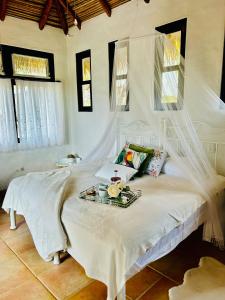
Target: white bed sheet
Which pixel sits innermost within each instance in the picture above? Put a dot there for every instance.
(170, 241)
(167, 203)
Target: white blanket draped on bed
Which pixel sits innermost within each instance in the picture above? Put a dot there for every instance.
(39, 198)
(108, 240)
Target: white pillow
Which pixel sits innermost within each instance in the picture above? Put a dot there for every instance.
(172, 168)
(107, 171)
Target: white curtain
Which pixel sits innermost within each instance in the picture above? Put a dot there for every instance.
(8, 137)
(40, 113)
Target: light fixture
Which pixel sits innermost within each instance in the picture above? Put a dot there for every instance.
(75, 19)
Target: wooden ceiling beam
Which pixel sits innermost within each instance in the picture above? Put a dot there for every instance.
(45, 14)
(68, 7)
(105, 5)
(62, 17)
(3, 9)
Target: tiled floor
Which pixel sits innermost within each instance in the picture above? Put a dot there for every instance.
(24, 276)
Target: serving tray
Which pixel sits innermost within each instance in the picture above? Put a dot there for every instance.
(91, 194)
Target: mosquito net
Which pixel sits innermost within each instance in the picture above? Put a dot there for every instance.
(150, 77)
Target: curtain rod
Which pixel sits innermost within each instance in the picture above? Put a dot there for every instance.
(154, 34)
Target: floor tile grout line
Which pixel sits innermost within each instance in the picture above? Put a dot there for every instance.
(72, 295)
(77, 292)
(151, 286)
(30, 271)
(164, 275)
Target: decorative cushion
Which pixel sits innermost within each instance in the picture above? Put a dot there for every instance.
(156, 163)
(150, 153)
(130, 158)
(107, 171)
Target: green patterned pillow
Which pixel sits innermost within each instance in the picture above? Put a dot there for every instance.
(130, 158)
(144, 166)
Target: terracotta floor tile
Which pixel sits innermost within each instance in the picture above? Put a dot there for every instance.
(24, 247)
(5, 253)
(12, 274)
(30, 290)
(4, 217)
(21, 242)
(140, 282)
(94, 291)
(186, 256)
(176, 264)
(6, 233)
(65, 279)
(159, 291)
(34, 262)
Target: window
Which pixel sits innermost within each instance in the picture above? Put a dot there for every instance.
(168, 65)
(121, 69)
(223, 76)
(84, 89)
(31, 102)
(32, 116)
(26, 64)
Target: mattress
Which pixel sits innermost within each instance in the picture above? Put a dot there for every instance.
(125, 240)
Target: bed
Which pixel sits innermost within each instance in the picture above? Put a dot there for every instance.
(169, 210)
(125, 240)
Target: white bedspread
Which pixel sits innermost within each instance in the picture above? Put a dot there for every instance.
(107, 240)
(39, 198)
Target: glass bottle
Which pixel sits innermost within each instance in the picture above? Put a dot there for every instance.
(115, 178)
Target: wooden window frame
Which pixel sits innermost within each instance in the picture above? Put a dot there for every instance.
(111, 54)
(7, 63)
(179, 25)
(7, 52)
(80, 82)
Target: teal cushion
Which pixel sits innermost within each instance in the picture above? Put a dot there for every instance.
(131, 158)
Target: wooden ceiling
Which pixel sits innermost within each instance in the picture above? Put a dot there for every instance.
(57, 13)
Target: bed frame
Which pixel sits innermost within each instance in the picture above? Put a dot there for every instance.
(140, 132)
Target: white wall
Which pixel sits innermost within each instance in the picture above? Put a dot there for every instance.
(204, 47)
(205, 33)
(26, 34)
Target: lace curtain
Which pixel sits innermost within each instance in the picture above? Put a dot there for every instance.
(39, 109)
(8, 137)
(40, 113)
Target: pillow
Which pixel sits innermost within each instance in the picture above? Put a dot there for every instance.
(156, 163)
(107, 171)
(150, 152)
(130, 158)
(172, 168)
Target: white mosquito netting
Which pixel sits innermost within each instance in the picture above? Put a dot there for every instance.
(150, 77)
(149, 73)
